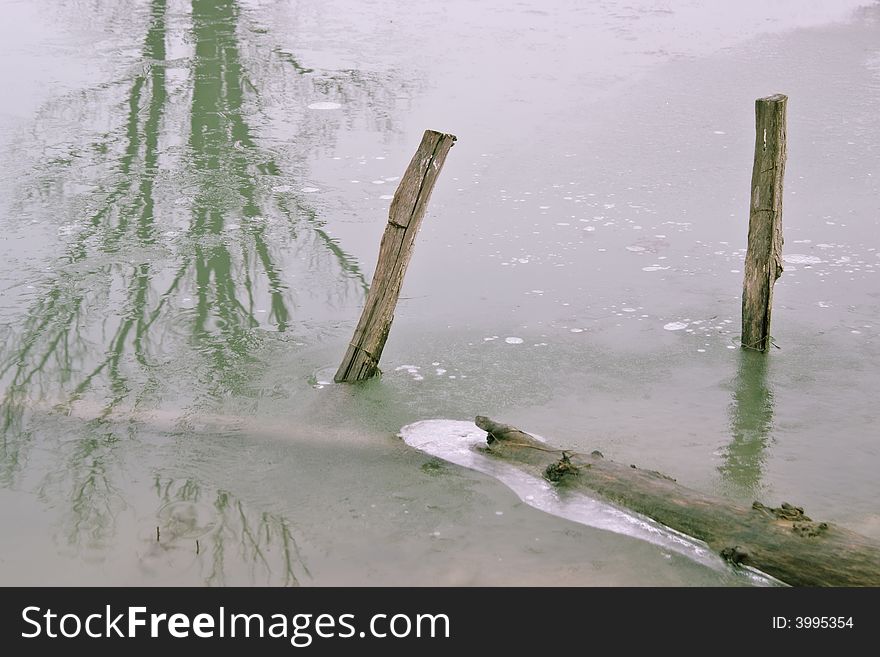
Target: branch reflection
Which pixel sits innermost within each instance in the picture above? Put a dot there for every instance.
(236, 544)
(181, 257)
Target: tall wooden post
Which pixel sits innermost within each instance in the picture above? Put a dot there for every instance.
(763, 263)
(404, 218)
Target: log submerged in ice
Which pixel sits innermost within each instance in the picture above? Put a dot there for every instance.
(782, 541)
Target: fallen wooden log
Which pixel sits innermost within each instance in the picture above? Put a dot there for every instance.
(782, 542)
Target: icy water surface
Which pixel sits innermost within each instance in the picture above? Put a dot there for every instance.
(191, 199)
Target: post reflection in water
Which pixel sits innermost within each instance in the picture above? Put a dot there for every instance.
(181, 259)
(751, 425)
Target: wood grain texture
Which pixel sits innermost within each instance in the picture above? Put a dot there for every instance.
(408, 207)
(763, 264)
(782, 542)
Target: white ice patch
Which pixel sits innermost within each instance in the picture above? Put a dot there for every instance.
(635, 249)
(459, 442)
(324, 106)
(513, 340)
(412, 370)
(309, 190)
(801, 259)
(69, 229)
(675, 326)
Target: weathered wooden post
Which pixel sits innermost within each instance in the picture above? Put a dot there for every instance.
(764, 252)
(404, 218)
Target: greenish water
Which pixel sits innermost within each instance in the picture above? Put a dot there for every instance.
(191, 199)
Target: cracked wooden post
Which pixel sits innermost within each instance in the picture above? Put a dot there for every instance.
(763, 263)
(404, 218)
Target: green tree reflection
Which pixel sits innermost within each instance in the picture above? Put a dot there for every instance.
(180, 262)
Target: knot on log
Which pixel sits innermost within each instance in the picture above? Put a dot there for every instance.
(778, 268)
(809, 529)
(784, 512)
(735, 555)
(555, 472)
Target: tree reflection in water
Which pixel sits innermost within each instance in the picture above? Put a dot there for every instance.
(170, 257)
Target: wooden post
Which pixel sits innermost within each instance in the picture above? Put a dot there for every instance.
(404, 218)
(764, 252)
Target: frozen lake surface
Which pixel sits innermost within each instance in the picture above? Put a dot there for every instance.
(192, 196)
